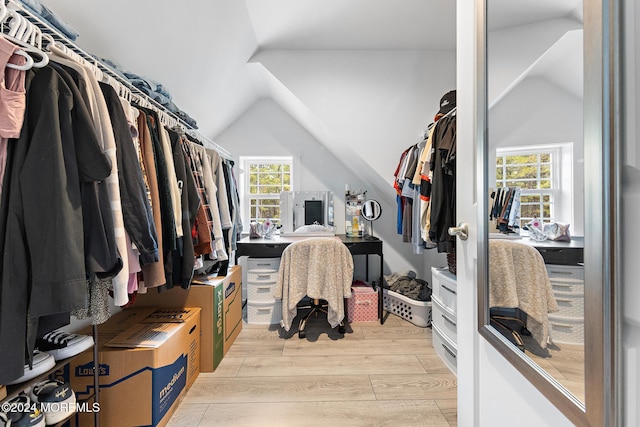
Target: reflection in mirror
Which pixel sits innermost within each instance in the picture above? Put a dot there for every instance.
(371, 211)
(535, 173)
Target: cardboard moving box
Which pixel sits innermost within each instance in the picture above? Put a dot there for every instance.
(145, 368)
(220, 299)
(232, 307)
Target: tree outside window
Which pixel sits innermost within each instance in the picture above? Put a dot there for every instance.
(263, 180)
(536, 173)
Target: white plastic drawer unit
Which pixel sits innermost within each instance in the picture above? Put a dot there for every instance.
(260, 292)
(262, 276)
(263, 264)
(264, 313)
(446, 349)
(566, 279)
(566, 330)
(565, 271)
(445, 288)
(570, 304)
(444, 320)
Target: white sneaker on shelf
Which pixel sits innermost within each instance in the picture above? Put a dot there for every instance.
(57, 400)
(23, 413)
(62, 345)
(42, 362)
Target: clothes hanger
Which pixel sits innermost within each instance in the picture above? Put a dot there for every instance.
(26, 35)
(126, 93)
(26, 66)
(34, 46)
(9, 18)
(3, 11)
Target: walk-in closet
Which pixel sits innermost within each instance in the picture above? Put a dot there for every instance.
(319, 212)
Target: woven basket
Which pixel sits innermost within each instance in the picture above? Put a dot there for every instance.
(451, 261)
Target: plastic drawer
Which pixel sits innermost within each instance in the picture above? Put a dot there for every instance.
(566, 330)
(447, 350)
(260, 292)
(264, 313)
(445, 288)
(445, 320)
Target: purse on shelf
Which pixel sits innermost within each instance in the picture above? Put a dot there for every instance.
(255, 230)
(557, 232)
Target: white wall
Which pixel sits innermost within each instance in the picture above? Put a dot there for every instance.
(537, 112)
(266, 129)
(375, 103)
(509, 62)
(365, 107)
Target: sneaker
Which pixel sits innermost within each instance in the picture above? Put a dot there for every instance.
(42, 363)
(23, 413)
(62, 345)
(57, 400)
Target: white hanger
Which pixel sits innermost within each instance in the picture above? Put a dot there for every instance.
(3, 11)
(10, 17)
(126, 93)
(28, 36)
(26, 66)
(34, 46)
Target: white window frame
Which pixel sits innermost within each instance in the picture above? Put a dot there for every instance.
(561, 178)
(244, 191)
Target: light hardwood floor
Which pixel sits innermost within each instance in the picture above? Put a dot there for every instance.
(566, 365)
(375, 375)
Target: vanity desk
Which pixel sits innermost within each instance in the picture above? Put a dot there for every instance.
(257, 249)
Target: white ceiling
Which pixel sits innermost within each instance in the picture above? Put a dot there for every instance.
(512, 13)
(354, 24)
(201, 50)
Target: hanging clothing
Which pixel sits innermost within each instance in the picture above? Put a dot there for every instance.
(184, 256)
(217, 170)
(234, 204)
(422, 177)
(218, 249)
(152, 273)
(107, 194)
(12, 99)
(43, 268)
(164, 183)
(136, 211)
(443, 189)
(203, 227)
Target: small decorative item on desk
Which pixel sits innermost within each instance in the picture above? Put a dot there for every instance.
(255, 230)
(265, 229)
(557, 232)
(535, 229)
(269, 229)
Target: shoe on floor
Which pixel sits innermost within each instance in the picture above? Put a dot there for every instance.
(42, 362)
(57, 399)
(62, 345)
(26, 414)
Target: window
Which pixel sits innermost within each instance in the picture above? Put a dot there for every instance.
(536, 171)
(263, 178)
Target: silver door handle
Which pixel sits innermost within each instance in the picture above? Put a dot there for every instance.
(462, 231)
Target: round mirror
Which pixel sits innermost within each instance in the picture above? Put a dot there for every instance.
(371, 210)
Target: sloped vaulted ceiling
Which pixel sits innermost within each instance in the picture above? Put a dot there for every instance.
(207, 53)
(201, 50)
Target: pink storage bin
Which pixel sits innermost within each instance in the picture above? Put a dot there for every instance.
(363, 305)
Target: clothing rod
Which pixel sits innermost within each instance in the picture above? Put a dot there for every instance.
(57, 36)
